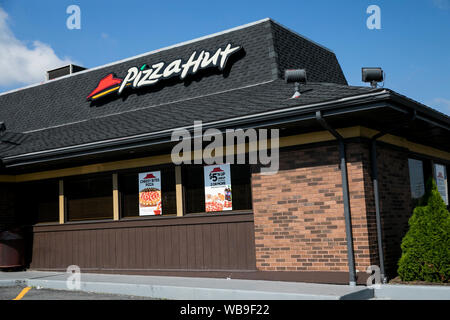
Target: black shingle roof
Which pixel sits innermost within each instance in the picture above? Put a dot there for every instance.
(273, 95)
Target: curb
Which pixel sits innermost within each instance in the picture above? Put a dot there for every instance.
(183, 292)
(405, 292)
(178, 293)
(9, 283)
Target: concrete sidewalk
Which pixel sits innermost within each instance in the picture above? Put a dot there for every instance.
(412, 292)
(186, 288)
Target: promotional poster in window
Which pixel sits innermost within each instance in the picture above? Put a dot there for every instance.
(441, 181)
(150, 193)
(218, 188)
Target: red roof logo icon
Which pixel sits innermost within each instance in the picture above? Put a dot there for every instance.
(104, 84)
(149, 176)
(216, 169)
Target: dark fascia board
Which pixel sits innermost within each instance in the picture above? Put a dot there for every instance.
(424, 112)
(374, 100)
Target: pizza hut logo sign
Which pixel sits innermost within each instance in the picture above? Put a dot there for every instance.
(149, 180)
(149, 176)
(217, 176)
(148, 75)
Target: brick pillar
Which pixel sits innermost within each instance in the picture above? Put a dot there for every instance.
(396, 204)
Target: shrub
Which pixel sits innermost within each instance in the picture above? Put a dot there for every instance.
(426, 246)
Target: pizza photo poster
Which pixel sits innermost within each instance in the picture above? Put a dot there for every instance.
(150, 193)
(217, 188)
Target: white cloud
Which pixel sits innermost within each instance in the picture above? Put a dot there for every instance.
(21, 64)
(441, 104)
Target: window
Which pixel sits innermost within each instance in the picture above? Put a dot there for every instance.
(38, 202)
(89, 198)
(194, 188)
(416, 178)
(240, 182)
(129, 191)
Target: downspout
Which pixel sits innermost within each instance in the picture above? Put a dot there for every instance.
(374, 165)
(346, 197)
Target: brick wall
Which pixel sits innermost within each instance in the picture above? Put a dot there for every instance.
(299, 212)
(362, 205)
(396, 206)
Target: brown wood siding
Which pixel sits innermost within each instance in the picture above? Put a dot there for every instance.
(201, 242)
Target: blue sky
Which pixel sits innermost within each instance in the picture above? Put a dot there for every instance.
(413, 45)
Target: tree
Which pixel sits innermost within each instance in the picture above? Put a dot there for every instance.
(426, 245)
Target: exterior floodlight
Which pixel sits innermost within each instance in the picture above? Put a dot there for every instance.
(372, 75)
(297, 76)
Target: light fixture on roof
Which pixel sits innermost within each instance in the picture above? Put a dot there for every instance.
(372, 75)
(297, 76)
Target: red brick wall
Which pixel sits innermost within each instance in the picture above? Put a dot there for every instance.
(362, 205)
(299, 213)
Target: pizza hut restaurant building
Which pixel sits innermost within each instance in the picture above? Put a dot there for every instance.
(76, 150)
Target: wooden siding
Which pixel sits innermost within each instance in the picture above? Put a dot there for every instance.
(222, 242)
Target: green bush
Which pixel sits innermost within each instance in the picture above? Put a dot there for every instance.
(426, 246)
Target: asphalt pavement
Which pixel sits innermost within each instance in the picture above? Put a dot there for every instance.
(11, 293)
